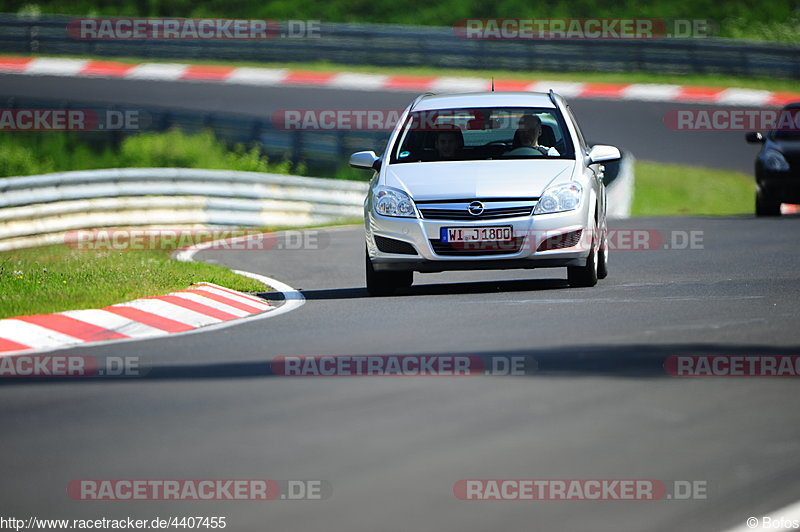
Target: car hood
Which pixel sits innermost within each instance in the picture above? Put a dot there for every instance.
(477, 179)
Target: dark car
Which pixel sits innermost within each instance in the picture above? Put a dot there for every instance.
(778, 166)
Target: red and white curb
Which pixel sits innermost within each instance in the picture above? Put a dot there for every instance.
(84, 68)
(201, 307)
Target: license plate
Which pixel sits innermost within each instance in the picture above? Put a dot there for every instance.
(477, 234)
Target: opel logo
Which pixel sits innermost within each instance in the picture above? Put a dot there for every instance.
(475, 208)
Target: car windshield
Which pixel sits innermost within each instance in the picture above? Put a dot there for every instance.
(788, 124)
(785, 134)
(482, 134)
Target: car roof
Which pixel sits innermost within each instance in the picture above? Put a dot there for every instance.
(484, 99)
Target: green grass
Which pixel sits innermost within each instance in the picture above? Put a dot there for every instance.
(61, 277)
(57, 278)
(777, 20)
(677, 190)
(32, 153)
(704, 80)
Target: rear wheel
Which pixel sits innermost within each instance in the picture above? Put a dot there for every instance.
(385, 283)
(766, 204)
(584, 275)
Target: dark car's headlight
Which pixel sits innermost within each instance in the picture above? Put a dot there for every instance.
(775, 161)
(393, 202)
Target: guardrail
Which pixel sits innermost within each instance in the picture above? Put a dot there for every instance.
(619, 177)
(394, 45)
(39, 210)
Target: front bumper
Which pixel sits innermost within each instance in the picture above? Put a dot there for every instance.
(424, 236)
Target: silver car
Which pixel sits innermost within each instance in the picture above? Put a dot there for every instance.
(481, 181)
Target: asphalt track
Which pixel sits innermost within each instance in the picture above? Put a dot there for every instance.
(597, 405)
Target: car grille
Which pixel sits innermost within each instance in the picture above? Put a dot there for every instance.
(390, 245)
(457, 210)
(468, 249)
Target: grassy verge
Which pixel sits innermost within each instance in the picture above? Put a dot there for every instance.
(60, 277)
(57, 278)
(54, 151)
(677, 190)
(710, 80)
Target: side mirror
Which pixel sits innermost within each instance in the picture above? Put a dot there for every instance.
(365, 160)
(602, 153)
(754, 137)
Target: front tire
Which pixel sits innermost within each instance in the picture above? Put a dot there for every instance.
(385, 283)
(766, 205)
(584, 275)
(602, 261)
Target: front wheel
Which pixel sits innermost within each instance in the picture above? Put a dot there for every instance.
(766, 205)
(584, 275)
(385, 283)
(602, 261)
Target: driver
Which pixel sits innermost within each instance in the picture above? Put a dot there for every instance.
(527, 138)
(448, 143)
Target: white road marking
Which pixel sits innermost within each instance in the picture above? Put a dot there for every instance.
(257, 76)
(651, 92)
(743, 97)
(448, 84)
(45, 66)
(157, 71)
(567, 89)
(367, 82)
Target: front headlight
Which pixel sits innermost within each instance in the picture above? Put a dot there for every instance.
(775, 161)
(559, 198)
(393, 202)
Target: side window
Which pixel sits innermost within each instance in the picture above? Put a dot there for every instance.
(584, 147)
